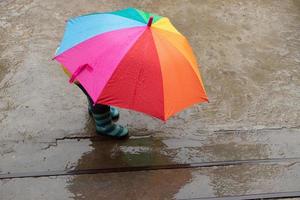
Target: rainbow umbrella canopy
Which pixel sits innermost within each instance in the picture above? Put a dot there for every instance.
(132, 59)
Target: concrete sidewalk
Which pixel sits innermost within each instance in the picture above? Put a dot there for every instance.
(249, 53)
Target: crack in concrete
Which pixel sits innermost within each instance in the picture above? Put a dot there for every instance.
(256, 130)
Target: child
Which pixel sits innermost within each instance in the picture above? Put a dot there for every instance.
(104, 117)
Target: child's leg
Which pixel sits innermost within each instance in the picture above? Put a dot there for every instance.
(99, 108)
(103, 116)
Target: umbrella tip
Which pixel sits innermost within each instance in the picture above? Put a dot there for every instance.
(150, 21)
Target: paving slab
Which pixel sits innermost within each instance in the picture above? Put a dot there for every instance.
(99, 153)
(160, 184)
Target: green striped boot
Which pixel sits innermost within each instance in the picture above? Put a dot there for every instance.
(106, 127)
(113, 111)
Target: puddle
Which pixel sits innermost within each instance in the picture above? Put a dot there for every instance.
(249, 56)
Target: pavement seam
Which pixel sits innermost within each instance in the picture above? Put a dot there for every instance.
(147, 168)
(275, 195)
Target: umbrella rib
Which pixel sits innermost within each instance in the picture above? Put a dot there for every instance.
(110, 13)
(203, 97)
(128, 50)
(175, 33)
(167, 39)
(91, 38)
(121, 59)
(162, 80)
(135, 88)
(127, 17)
(80, 31)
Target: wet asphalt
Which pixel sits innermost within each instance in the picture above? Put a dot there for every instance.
(249, 55)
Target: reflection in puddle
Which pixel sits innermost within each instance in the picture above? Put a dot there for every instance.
(236, 180)
(188, 183)
(181, 183)
(219, 181)
(219, 147)
(198, 184)
(110, 153)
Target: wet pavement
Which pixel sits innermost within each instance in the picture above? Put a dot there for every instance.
(250, 62)
(160, 184)
(96, 153)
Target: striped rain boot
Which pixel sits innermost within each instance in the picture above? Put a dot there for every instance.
(113, 111)
(106, 127)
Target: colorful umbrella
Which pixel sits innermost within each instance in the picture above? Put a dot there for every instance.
(132, 59)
